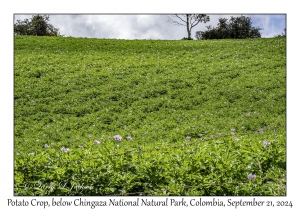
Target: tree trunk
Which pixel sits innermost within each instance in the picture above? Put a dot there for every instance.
(188, 26)
(189, 34)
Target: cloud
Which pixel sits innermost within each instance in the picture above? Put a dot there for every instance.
(272, 24)
(112, 26)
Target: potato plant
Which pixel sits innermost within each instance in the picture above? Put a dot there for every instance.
(149, 117)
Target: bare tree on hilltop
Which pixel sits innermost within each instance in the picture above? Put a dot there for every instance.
(188, 20)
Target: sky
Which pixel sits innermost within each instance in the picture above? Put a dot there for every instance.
(147, 26)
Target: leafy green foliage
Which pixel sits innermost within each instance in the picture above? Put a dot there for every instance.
(234, 28)
(38, 26)
(228, 96)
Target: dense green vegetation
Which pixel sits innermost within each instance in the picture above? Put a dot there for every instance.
(202, 116)
(233, 28)
(38, 25)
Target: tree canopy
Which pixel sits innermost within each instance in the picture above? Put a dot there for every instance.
(234, 28)
(38, 25)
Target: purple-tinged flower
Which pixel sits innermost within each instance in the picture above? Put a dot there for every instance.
(251, 176)
(118, 137)
(236, 139)
(65, 149)
(46, 146)
(266, 143)
(200, 135)
(96, 142)
(129, 138)
(188, 138)
(80, 146)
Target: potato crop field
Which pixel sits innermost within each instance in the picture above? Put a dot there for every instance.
(149, 117)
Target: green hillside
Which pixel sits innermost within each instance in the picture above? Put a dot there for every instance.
(195, 117)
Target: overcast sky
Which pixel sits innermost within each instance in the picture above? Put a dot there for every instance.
(152, 26)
